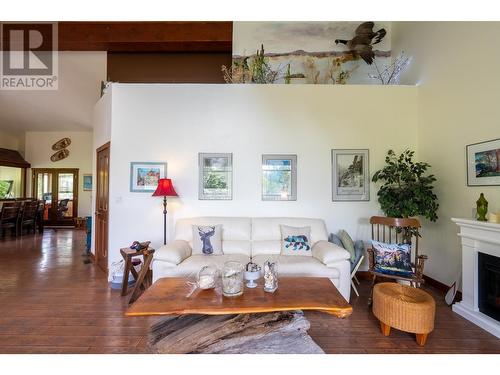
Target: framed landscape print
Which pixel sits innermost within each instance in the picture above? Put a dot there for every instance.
(215, 176)
(144, 176)
(279, 177)
(87, 182)
(483, 163)
(350, 175)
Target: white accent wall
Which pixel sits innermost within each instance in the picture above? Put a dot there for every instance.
(101, 122)
(173, 123)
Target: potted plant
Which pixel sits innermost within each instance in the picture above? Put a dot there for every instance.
(406, 191)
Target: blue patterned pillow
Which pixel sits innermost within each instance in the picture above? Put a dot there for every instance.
(296, 241)
(392, 259)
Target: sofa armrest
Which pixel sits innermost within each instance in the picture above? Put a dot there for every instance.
(327, 252)
(175, 252)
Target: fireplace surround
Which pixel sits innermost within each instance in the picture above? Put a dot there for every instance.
(480, 246)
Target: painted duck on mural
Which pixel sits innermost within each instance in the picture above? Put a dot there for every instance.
(362, 43)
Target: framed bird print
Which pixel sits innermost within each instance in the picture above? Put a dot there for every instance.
(350, 175)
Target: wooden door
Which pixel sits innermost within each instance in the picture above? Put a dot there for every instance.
(102, 207)
(58, 187)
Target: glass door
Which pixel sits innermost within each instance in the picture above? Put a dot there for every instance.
(43, 182)
(59, 189)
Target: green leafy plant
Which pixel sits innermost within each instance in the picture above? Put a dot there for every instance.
(406, 191)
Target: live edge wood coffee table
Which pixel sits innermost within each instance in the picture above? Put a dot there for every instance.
(204, 321)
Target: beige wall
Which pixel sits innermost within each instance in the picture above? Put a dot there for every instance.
(39, 150)
(11, 141)
(456, 66)
(13, 174)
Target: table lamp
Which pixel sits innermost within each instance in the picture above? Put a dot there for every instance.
(165, 189)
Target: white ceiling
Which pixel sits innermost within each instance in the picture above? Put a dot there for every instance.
(68, 108)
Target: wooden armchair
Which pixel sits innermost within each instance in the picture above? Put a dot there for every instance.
(397, 230)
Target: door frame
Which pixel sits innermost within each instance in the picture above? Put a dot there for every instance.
(55, 192)
(96, 228)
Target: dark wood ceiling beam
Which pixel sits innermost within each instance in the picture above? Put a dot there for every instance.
(188, 36)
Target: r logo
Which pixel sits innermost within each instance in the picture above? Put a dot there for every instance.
(29, 55)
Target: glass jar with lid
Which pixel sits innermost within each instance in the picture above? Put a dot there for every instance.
(232, 279)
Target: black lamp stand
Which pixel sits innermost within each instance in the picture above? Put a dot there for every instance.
(165, 220)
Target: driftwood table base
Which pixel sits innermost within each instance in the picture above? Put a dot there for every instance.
(264, 333)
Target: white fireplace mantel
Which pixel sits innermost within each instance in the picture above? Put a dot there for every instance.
(477, 236)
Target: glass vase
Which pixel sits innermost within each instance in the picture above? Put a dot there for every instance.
(270, 276)
(232, 279)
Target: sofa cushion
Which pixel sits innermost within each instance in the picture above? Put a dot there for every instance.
(207, 239)
(298, 266)
(327, 252)
(272, 247)
(191, 266)
(295, 241)
(235, 229)
(268, 228)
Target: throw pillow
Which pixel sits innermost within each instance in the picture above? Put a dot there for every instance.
(333, 238)
(348, 243)
(392, 259)
(295, 241)
(207, 239)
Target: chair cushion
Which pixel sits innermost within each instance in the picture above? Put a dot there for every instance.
(333, 238)
(295, 241)
(298, 266)
(207, 239)
(392, 259)
(347, 243)
(192, 265)
(359, 249)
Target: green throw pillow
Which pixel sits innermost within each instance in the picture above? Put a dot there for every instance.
(348, 243)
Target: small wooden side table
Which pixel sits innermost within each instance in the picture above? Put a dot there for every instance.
(144, 278)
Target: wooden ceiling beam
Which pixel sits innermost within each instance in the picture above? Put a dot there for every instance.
(182, 36)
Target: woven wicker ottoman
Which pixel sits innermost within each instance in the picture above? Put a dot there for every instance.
(405, 308)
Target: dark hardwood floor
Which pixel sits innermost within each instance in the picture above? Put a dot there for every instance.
(51, 302)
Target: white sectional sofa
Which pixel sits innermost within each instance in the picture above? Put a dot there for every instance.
(255, 239)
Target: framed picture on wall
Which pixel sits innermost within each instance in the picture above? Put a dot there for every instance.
(350, 175)
(144, 176)
(215, 176)
(279, 177)
(87, 182)
(483, 163)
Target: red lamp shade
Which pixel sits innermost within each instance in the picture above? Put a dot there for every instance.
(165, 188)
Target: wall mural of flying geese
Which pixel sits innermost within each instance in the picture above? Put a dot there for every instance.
(362, 43)
(332, 52)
